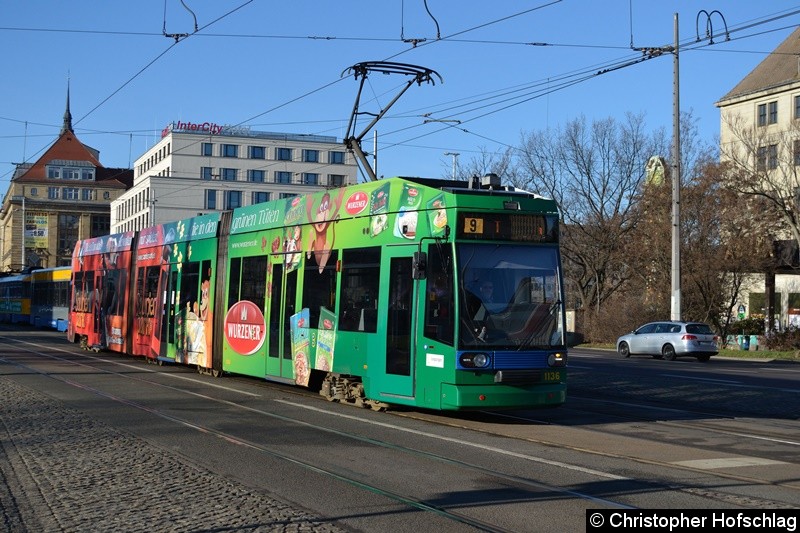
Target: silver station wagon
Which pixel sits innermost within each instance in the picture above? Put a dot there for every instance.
(670, 339)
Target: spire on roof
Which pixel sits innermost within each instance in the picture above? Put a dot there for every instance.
(67, 127)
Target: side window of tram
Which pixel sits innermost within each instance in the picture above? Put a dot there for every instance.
(254, 280)
(319, 287)
(151, 297)
(78, 292)
(190, 275)
(233, 281)
(439, 316)
(358, 302)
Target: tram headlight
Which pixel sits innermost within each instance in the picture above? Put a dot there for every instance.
(557, 359)
(474, 360)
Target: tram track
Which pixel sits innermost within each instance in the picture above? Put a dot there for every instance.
(437, 419)
(97, 364)
(700, 420)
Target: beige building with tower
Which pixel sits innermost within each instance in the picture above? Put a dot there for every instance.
(56, 200)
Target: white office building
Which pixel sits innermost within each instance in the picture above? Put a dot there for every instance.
(200, 167)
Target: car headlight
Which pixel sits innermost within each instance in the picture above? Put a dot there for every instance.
(557, 359)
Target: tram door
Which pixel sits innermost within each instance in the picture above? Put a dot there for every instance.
(398, 370)
(169, 304)
(282, 305)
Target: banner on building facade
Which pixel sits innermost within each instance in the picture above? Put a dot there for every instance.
(35, 230)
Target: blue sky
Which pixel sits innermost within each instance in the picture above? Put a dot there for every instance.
(277, 66)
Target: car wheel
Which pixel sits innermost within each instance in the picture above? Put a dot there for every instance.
(624, 350)
(668, 351)
(703, 358)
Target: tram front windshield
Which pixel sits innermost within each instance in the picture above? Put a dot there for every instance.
(510, 297)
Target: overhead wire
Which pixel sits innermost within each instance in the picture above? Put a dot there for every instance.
(451, 38)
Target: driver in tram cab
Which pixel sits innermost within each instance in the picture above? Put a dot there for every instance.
(486, 296)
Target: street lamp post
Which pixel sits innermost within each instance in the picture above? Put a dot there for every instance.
(455, 161)
(22, 199)
(676, 186)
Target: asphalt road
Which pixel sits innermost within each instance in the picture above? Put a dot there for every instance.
(114, 443)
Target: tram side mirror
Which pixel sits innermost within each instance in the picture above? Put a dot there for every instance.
(419, 265)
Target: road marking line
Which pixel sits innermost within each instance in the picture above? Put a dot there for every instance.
(457, 441)
(727, 462)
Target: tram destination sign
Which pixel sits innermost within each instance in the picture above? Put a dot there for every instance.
(520, 227)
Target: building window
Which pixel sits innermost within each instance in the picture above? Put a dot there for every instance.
(310, 178)
(87, 195)
(797, 107)
(773, 112)
(106, 195)
(211, 199)
(311, 156)
(34, 191)
(256, 176)
(228, 174)
(260, 197)
(283, 154)
(205, 173)
(52, 193)
(230, 150)
(233, 199)
(282, 176)
(336, 180)
(101, 225)
(70, 193)
(207, 149)
(287, 195)
(54, 173)
(761, 158)
(772, 156)
(67, 234)
(87, 173)
(796, 153)
(258, 152)
(762, 114)
(336, 158)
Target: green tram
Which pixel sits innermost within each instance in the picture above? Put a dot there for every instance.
(395, 292)
(399, 291)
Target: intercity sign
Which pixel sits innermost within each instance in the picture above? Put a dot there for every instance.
(205, 127)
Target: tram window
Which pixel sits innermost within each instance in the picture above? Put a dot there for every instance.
(275, 309)
(190, 281)
(141, 304)
(233, 281)
(289, 310)
(77, 289)
(205, 288)
(439, 314)
(88, 288)
(254, 280)
(151, 284)
(319, 288)
(358, 307)
(111, 291)
(62, 293)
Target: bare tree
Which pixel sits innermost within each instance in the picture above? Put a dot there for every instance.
(486, 162)
(764, 164)
(594, 172)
